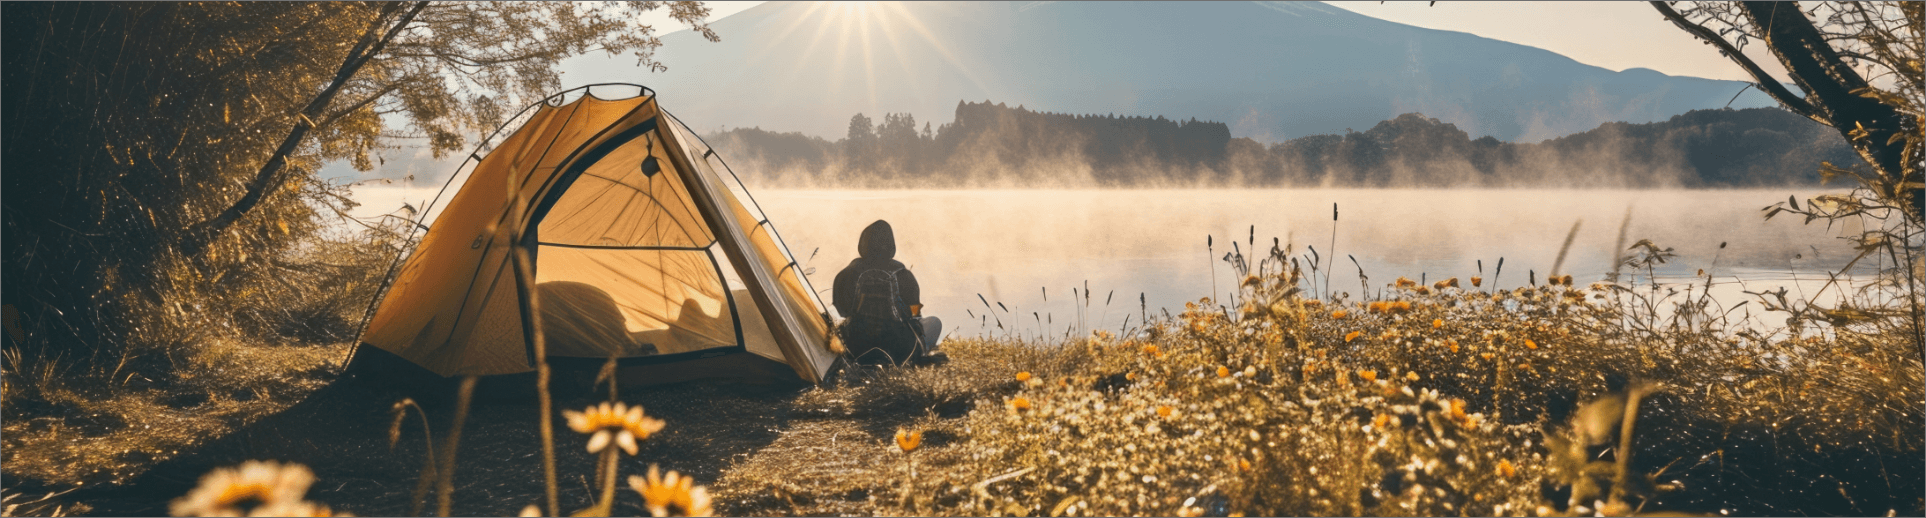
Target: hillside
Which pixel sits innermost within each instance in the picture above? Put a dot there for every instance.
(1272, 71)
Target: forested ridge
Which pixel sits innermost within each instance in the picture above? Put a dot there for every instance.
(994, 144)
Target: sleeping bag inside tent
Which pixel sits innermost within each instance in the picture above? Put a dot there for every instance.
(644, 246)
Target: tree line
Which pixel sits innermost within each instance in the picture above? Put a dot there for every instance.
(994, 144)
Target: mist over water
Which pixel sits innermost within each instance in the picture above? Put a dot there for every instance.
(1012, 245)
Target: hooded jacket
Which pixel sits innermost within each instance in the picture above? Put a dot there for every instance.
(877, 251)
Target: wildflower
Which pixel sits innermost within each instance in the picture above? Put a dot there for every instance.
(531, 510)
(1453, 343)
(1339, 313)
(1437, 323)
(1152, 350)
(1164, 411)
(1023, 376)
(1413, 375)
(1352, 335)
(1477, 281)
(1368, 375)
(1223, 372)
(1427, 291)
(1530, 344)
(1505, 468)
(617, 423)
(1378, 307)
(255, 485)
(1485, 355)
(1401, 306)
(908, 441)
(1381, 420)
(671, 493)
(1457, 411)
(1020, 403)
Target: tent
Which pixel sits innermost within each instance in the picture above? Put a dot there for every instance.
(644, 245)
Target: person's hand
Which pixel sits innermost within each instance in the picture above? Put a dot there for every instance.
(916, 310)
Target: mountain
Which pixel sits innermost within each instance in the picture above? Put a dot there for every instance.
(1271, 71)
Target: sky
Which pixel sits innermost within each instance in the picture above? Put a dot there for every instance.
(1616, 34)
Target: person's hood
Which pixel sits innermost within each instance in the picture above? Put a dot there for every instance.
(878, 241)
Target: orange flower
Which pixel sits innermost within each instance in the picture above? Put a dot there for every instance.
(1223, 372)
(908, 441)
(1454, 344)
(1020, 403)
(1151, 350)
(1023, 376)
(1530, 344)
(615, 423)
(1379, 421)
(1339, 313)
(672, 495)
(1477, 281)
(1368, 375)
(1378, 307)
(1164, 411)
(1505, 468)
(1457, 411)
(1352, 335)
(1402, 306)
(1437, 323)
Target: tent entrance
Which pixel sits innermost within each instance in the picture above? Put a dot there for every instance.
(626, 266)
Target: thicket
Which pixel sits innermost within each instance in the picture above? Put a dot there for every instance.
(991, 143)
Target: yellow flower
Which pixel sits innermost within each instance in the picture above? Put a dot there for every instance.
(618, 423)
(1368, 375)
(1505, 468)
(1023, 376)
(1223, 372)
(1352, 335)
(254, 486)
(1437, 323)
(908, 441)
(673, 495)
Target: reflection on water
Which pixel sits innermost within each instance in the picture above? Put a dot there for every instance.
(1020, 246)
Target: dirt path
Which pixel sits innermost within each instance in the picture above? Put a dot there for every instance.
(341, 432)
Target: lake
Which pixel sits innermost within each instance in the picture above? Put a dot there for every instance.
(1020, 246)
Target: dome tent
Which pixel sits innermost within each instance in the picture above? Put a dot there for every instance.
(645, 247)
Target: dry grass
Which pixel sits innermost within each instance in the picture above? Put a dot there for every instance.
(71, 433)
(1447, 402)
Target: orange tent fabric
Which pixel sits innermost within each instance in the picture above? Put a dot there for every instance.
(646, 248)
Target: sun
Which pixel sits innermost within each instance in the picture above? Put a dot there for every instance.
(847, 36)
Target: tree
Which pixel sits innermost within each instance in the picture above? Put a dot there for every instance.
(1859, 68)
(161, 156)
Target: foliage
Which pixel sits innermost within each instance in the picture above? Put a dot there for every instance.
(142, 123)
(1701, 148)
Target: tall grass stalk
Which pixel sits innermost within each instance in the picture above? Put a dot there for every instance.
(1569, 236)
(445, 497)
(1333, 250)
(525, 286)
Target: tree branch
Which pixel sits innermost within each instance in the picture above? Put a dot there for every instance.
(1763, 80)
(200, 234)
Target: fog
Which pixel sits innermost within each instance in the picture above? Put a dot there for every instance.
(1012, 245)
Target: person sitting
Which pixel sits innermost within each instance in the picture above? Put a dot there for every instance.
(880, 299)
